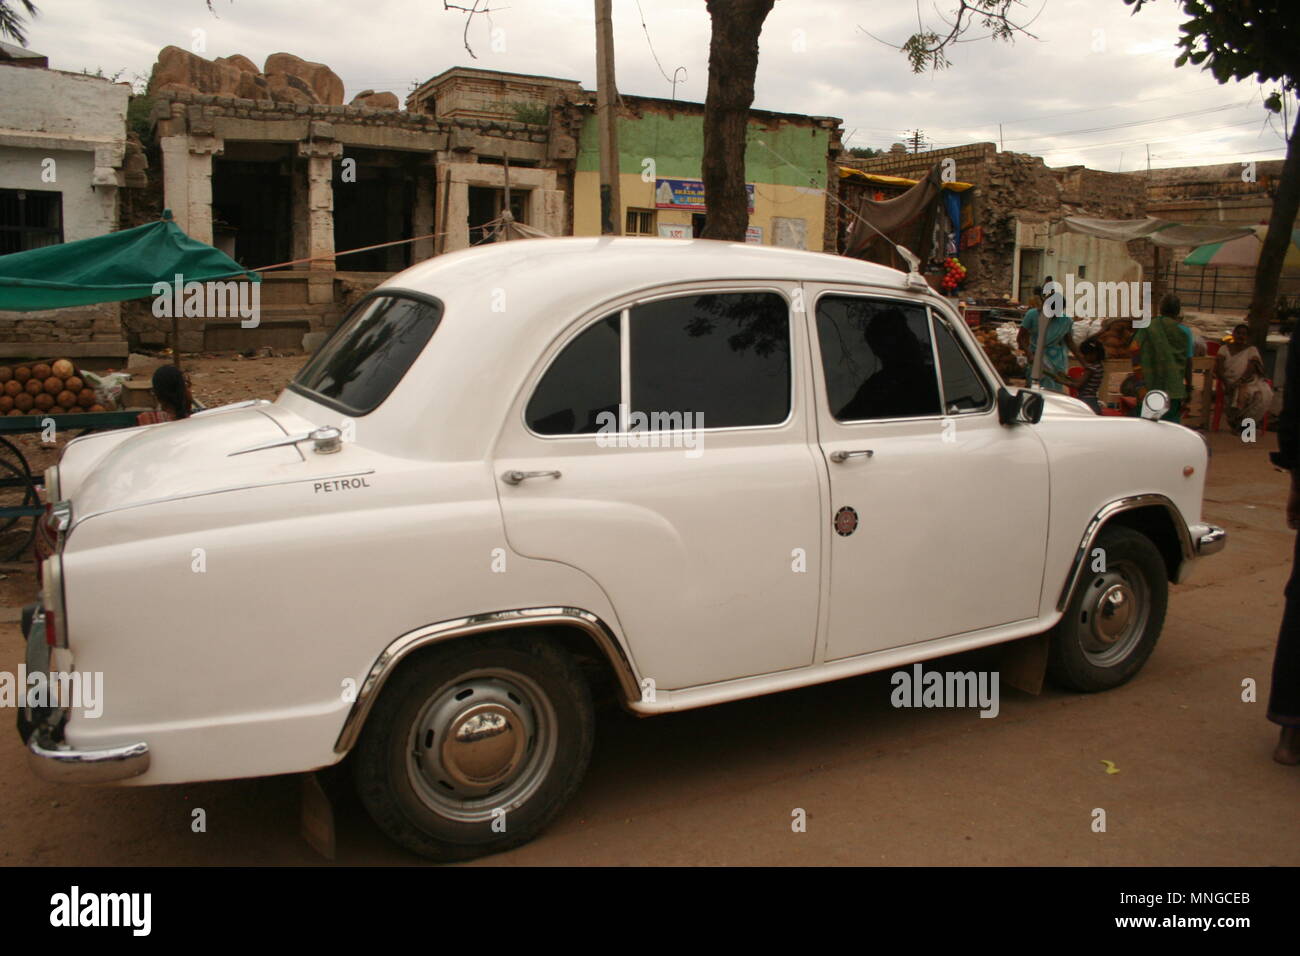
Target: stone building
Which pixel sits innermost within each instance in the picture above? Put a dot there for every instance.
(1007, 246)
(64, 161)
(789, 160)
(1235, 194)
(293, 176)
(271, 167)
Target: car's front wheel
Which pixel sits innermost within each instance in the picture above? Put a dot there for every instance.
(1115, 615)
(474, 747)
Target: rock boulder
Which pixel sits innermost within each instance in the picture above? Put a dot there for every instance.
(324, 82)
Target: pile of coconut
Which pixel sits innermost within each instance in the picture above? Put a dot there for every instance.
(54, 388)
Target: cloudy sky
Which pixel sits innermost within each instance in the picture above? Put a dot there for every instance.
(1093, 85)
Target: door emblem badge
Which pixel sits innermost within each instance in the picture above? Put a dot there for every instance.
(846, 521)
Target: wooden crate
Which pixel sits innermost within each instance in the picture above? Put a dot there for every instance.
(1201, 400)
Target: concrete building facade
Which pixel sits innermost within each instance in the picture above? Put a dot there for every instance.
(63, 159)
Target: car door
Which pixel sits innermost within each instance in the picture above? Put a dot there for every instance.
(940, 511)
(669, 445)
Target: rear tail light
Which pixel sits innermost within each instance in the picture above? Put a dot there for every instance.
(51, 528)
(56, 621)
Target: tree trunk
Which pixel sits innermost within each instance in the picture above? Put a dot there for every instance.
(1286, 203)
(733, 64)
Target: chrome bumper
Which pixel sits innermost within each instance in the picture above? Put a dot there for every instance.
(1208, 539)
(62, 764)
(41, 731)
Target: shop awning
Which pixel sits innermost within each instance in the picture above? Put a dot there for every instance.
(1162, 232)
(110, 268)
(1243, 251)
(847, 172)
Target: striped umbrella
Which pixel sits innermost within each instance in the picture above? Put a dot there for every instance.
(1243, 251)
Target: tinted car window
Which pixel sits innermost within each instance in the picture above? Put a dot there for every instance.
(724, 357)
(365, 358)
(963, 389)
(582, 382)
(877, 358)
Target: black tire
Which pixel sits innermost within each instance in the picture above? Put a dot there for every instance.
(1091, 648)
(504, 704)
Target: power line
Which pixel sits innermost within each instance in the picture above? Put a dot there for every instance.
(650, 44)
(1146, 122)
(1139, 142)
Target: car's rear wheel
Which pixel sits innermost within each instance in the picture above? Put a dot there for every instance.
(1115, 614)
(474, 747)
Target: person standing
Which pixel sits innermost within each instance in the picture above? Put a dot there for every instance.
(1164, 350)
(1284, 694)
(1058, 344)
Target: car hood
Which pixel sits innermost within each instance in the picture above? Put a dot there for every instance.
(193, 457)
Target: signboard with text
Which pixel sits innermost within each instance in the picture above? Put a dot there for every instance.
(687, 194)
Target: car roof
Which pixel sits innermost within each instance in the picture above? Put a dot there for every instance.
(568, 273)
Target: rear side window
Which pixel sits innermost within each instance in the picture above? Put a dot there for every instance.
(370, 352)
(877, 358)
(581, 383)
(722, 358)
(963, 389)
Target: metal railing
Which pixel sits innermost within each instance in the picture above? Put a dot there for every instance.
(1221, 288)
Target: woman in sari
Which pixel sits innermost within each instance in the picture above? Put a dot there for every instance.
(1057, 347)
(1164, 350)
(1247, 393)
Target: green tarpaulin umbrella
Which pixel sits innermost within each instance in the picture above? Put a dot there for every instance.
(1242, 252)
(110, 268)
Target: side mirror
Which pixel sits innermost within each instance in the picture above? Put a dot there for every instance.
(1024, 407)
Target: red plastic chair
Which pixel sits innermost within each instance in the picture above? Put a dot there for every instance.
(1218, 406)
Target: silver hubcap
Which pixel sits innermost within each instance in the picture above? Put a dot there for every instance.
(481, 743)
(1114, 614)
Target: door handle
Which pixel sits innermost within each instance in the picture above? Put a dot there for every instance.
(839, 457)
(514, 477)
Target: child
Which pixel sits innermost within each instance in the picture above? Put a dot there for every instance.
(171, 390)
(1093, 354)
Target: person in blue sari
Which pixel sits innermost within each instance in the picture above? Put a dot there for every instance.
(1057, 349)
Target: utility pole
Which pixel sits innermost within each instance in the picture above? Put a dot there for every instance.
(916, 139)
(1001, 147)
(611, 205)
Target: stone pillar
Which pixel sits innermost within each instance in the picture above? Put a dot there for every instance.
(422, 217)
(551, 205)
(187, 181)
(319, 203)
(454, 218)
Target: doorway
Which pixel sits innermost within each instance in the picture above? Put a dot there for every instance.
(1031, 274)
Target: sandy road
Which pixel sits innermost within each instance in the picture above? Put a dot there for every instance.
(879, 785)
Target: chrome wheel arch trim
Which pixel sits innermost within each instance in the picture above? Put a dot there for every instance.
(402, 647)
(1131, 503)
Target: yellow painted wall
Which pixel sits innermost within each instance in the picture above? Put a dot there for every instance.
(794, 202)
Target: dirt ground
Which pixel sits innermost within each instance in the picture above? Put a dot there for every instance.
(1196, 785)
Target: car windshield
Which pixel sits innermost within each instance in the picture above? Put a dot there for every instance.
(365, 358)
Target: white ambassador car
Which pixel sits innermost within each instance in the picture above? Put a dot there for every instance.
(690, 471)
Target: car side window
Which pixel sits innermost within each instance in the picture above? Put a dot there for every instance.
(963, 388)
(580, 384)
(877, 358)
(721, 358)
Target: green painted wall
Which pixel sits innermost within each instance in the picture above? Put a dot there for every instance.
(676, 143)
